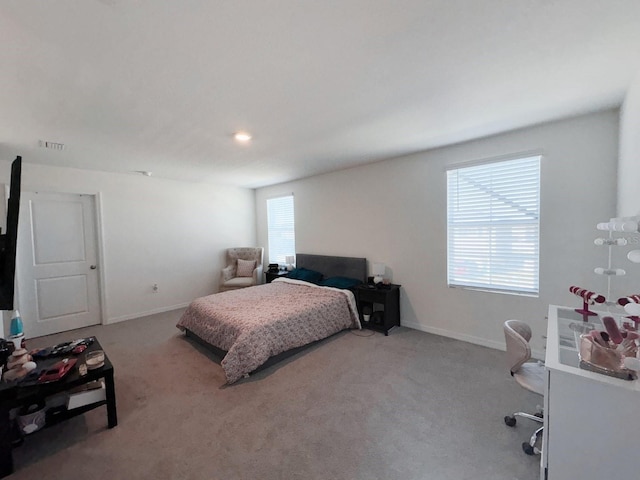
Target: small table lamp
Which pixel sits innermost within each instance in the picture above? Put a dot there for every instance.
(378, 272)
(289, 259)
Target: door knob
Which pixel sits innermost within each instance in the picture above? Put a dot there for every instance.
(93, 267)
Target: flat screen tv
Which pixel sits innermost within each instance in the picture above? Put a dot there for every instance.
(9, 239)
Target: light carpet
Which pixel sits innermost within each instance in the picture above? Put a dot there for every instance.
(359, 405)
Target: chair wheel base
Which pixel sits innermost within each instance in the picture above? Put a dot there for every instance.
(529, 450)
(510, 421)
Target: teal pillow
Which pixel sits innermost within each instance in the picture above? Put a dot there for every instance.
(304, 274)
(340, 282)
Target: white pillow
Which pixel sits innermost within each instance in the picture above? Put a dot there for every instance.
(245, 268)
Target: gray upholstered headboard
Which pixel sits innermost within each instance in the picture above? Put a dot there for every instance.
(329, 266)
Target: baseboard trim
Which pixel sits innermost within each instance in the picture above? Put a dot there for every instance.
(466, 338)
(146, 313)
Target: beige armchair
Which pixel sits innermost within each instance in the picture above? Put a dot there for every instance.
(239, 272)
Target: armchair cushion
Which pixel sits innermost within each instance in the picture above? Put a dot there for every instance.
(245, 267)
(239, 282)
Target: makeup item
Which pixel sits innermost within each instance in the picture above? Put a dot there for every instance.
(94, 359)
(612, 329)
(597, 338)
(603, 357)
(628, 346)
(57, 371)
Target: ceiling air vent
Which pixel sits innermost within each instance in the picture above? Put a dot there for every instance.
(51, 145)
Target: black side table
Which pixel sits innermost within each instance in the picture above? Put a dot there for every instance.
(384, 302)
(15, 394)
(271, 276)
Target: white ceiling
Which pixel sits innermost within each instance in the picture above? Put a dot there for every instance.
(161, 85)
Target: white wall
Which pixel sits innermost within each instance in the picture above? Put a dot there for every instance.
(395, 212)
(154, 231)
(629, 170)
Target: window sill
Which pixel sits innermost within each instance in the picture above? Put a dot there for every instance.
(502, 292)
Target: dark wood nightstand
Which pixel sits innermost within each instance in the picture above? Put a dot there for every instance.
(383, 302)
(270, 276)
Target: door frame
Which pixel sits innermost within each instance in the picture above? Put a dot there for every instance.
(97, 205)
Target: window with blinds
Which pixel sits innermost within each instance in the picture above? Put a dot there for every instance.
(493, 212)
(281, 228)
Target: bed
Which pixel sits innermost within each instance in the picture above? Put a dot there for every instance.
(253, 327)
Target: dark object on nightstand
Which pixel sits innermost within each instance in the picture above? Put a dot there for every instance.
(377, 318)
(271, 276)
(383, 302)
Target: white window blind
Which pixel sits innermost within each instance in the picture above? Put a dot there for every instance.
(281, 228)
(493, 212)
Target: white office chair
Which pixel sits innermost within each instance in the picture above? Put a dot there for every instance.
(529, 375)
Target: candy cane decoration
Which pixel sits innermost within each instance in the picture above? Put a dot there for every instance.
(630, 299)
(588, 298)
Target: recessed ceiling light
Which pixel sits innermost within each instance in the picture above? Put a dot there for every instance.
(242, 137)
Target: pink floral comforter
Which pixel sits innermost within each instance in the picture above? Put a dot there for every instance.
(253, 324)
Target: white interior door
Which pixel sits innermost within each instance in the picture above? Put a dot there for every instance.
(57, 274)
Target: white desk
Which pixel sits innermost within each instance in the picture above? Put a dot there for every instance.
(592, 421)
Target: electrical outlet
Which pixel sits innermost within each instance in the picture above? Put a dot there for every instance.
(155, 288)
